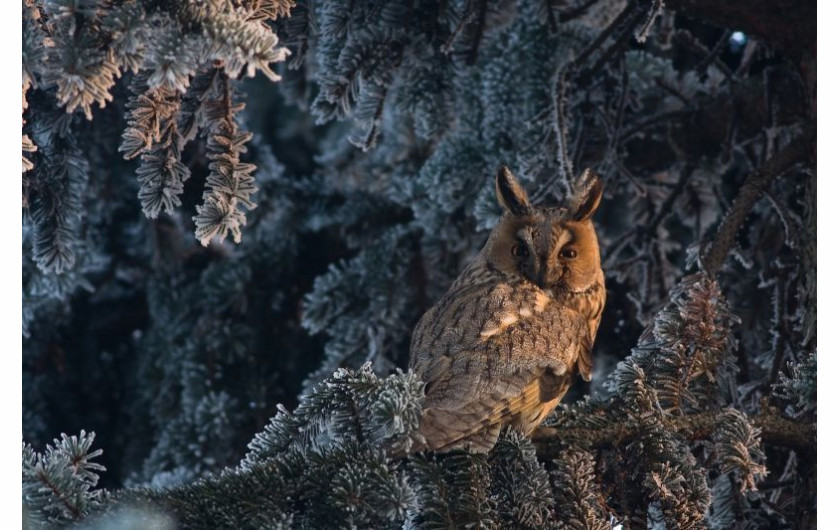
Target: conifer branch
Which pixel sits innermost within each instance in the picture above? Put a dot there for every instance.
(230, 184)
(775, 429)
(328, 275)
(58, 483)
(752, 190)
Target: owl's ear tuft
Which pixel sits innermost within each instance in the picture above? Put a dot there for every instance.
(588, 191)
(510, 193)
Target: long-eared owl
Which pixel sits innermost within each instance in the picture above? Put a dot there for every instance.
(503, 344)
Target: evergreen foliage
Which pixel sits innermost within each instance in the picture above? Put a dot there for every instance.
(58, 484)
(211, 251)
(578, 498)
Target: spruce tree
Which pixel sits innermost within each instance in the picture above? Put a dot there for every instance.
(235, 211)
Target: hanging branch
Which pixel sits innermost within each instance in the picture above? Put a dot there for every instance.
(230, 185)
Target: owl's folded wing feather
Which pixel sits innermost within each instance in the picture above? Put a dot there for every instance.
(591, 306)
(501, 375)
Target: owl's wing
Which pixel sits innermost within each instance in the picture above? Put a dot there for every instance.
(584, 360)
(510, 369)
(592, 306)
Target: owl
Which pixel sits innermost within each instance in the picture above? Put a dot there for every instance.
(504, 343)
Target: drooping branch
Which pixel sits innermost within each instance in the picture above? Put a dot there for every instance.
(752, 190)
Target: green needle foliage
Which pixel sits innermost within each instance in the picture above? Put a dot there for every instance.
(235, 211)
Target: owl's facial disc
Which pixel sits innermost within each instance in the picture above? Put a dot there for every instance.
(557, 256)
(548, 250)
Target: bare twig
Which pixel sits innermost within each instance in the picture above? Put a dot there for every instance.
(667, 87)
(467, 17)
(575, 12)
(712, 55)
(655, 8)
(561, 130)
(785, 216)
(621, 41)
(600, 39)
(665, 117)
(479, 32)
(668, 203)
(618, 122)
(778, 344)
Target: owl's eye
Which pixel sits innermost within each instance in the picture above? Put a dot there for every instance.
(568, 253)
(519, 250)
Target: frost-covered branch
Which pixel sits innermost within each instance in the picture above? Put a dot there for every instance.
(798, 150)
(775, 430)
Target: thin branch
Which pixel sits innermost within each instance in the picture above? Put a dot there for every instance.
(779, 349)
(619, 244)
(655, 8)
(712, 55)
(618, 123)
(668, 203)
(561, 130)
(370, 138)
(479, 32)
(226, 98)
(640, 188)
(667, 116)
(660, 82)
(74, 510)
(467, 17)
(785, 216)
(621, 41)
(774, 484)
(575, 12)
(552, 24)
(609, 30)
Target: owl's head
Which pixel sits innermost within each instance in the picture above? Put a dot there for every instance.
(553, 248)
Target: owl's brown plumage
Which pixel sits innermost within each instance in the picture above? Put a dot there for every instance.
(503, 344)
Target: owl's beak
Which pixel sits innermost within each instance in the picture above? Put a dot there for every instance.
(548, 276)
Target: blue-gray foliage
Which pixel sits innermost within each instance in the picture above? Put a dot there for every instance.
(232, 207)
